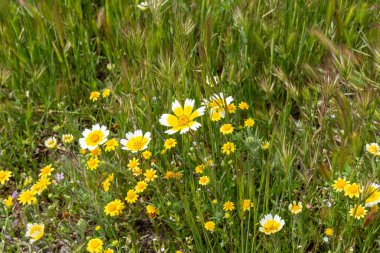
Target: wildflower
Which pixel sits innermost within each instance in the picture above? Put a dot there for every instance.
(178, 175)
(340, 184)
(329, 232)
(265, 145)
(228, 148)
(95, 246)
(204, 180)
(143, 6)
(358, 211)
(352, 190)
(67, 138)
(97, 228)
(183, 118)
(373, 149)
(169, 175)
(229, 206)
(59, 177)
(35, 231)
(215, 201)
(146, 154)
(8, 201)
(41, 185)
(270, 224)
(133, 164)
(136, 141)
(243, 106)
(27, 197)
(295, 208)
(94, 137)
(217, 104)
(115, 243)
(27, 181)
(216, 115)
(131, 196)
(107, 183)
(227, 215)
(136, 171)
(110, 66)
(141, 186)
(111, 145)
(226, 129)
(93, 163)
(247, 205)
(199, 169)
(108, 251)
(51, 143)
(5, 175)
(373, 193)
(82, 151)
(249, 122)
(96, 152)
(150, 175)
(46, 171)
(231, 108)
(152, 211)
(170, 143)
(94, 95)
(210, 226)
(106, 93)
(114, 208)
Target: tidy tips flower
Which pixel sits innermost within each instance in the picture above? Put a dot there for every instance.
(183, 118)
(270, 224)
(51, 143)
(373, 149)
(136, 141)
(94, 137)
(35, 231)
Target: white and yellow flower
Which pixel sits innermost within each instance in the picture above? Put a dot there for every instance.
(217, 105)
(183, 118)
(35, 231)
(51, 143)
(270, 224)
(373, 149)
(136, 141)
(372, 194)
(94, 137)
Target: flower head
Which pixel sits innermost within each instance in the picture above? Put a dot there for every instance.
(247, 204)
(95, 246)
(210, 226)
(8, 201)
(133, 163)
(143, 6)
(35, 231)
(27, 197)
(226, 129)
(329, 232)
(131, 196)
(352, 190)
(217, 104)
(150, 175)
(295, 208)
(228, 206)
(94, 137)
(94, 95)
(67, 138)
(141, 186)
(199, 169)
(106, 93)
(243, 106)
(136, 141)
(183, 118)
(358, 211)
(5, 175)
(51, 143)
(205, 180)
(373, 149)
(114, 208)
(146, 154)
(93, 163)
(41, 185)
(170, 143)
(111, 145)
(265, 145)
(152, 211)
(270, 224)
(228, 148)
(249, 122)
(46, 171)
(372, 193)
(339, 184)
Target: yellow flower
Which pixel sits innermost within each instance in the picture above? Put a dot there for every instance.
(227, 215)
(141, 186)
(146, 154)
(373, 195)
(136, 171)
(111, 145)
(270, 224)
(94, 137)
(169, 175)
(204, 180)
(106, 92)
(373, 149)
(170, 143)
(93, 163)
(329, 232)
(35, 231)
(114, 208)
(295, 208)
(107, 183)
(228, 148)
(210, 226)
(229, 206)
(358, 211)
(249, 122)
(27, 197)
(226, 129)
(95, 246)
(183, 118)
(41, 185)
(82, 151)
(217, 115)
(150, 175)
(67, 138)
(96, 152)
(199, 169)
(136, 141)
(217, 104)
(215, 201)
(51, 143)
(231, 108)
(152, 211)
(46, 171)
(8, 201)
(243, 106)
(97, 228)
(115, 243)
(5, 175)
(108, 251)
(265, 145)
(27, 181)
(247, 205)
(352, 190)
(133, 164)
(94, 95)
(340, 184)
(143, 6)
(131, 196)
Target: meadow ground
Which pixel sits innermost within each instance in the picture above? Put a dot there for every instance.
(189, 126)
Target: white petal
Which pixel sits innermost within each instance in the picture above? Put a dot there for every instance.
(164, 119)
(184, 130)
(229, 100)
(147, 135)
(171, 131)
(195, 126)
(189, 102)
(86, 132)
(175, 105)
(201, 110)
(138, 133)
(95, 127)
(82, 143)
(123, 142)
(129, 135)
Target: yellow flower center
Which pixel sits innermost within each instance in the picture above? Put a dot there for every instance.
(183, 120)
(137, 143)
(94, 138)
(271, 226)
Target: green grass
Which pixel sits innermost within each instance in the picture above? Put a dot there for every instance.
(309, 71)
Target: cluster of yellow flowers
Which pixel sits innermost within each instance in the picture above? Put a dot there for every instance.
(95, 95)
